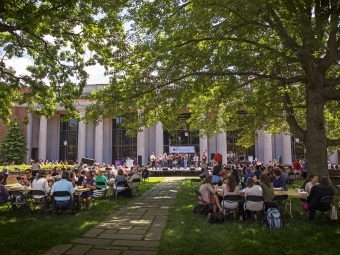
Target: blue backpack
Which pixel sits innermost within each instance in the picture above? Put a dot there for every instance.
(273, 218)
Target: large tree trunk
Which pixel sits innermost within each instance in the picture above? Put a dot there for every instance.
(315, 139)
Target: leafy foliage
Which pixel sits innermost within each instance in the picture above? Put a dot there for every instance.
(60, 39)
(13, 145)
(277, 61)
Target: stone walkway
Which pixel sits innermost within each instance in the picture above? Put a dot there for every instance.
(135, 229)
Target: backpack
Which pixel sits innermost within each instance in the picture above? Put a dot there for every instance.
(273, 218)
(216, 218)
(128, 192)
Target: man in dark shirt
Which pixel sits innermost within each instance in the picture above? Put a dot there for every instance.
(278, 182)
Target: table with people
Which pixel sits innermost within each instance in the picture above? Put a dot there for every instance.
(81, 186)
(268, 185)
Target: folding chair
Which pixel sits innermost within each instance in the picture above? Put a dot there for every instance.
(231, 198)
(194, 180)
(145, 176)
(207, 207)
(20, 200)
(6, 202)
(44, 201)
(326, 202)
(103, 191)
(136, 189)
(78, 183)
(280, 202)
(67, 203)
(254, 199)
(120, 184)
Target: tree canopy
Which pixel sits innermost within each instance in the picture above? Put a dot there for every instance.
(277, 61)
(60, 38)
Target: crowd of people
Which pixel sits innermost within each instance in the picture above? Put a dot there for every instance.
(257, 181)
(66, 179)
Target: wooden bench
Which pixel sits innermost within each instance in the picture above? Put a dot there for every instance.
(334, 175)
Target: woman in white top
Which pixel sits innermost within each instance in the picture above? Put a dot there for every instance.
(40, 183)
(229, 187)
(251, 190)
(196, 160)
(313, 181)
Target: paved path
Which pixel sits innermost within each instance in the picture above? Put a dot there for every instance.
(134, 229)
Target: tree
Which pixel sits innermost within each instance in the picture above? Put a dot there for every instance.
(276, 61)
(13, 146)
(60, 38)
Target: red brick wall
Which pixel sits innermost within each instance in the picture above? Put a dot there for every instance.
(17, 112)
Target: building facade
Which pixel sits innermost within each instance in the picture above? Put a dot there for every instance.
(53, 139)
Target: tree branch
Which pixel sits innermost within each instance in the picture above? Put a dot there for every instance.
(293, 124)
(330, 94)
(331, 82)
(331, 142)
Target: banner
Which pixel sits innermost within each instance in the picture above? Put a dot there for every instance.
(181, 149)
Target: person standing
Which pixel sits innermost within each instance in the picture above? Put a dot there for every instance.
(5, 173)
(196, 158)
(304, 170)
(204, 158)
(153, 160)
(170, 159)
(36, 167)
(185, 161)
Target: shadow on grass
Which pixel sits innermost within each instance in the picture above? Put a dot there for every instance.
(34, 234)
(187, 233)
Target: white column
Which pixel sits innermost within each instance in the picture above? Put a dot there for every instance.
(203, 147)
(29, 138)
(81, 139)
(287, 150)
(141, 145)
(42, 138)
(267, 147)
(159, 139)
(221, 140)
(98, 152)
(333, 158)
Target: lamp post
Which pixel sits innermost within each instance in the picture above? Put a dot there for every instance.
(65, 144)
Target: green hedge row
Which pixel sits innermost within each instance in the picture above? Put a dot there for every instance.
(44, 167)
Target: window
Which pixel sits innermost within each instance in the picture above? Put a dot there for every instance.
(68, 143)
(123, 146)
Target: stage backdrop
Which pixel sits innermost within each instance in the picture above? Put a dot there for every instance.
(181, 149)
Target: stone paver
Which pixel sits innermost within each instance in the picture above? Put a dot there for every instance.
(134, 229)
(59, 249)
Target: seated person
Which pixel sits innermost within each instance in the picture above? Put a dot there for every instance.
(313, 181)
(247, 175)
(5, 194)
(316, 194)
(63, 185)
(108, 174)
(54, 172)
(251, 190)
(278, 181)
(209, 194)
(81, 176)
(120, 177)
(205, 173)
(133, 177)
(229, 187)
(28, 178)
(267, 190)
(86, 197)
(40, 183)
(101, 178)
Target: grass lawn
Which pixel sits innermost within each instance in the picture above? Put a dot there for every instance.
(27, 234)
(186, 233)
